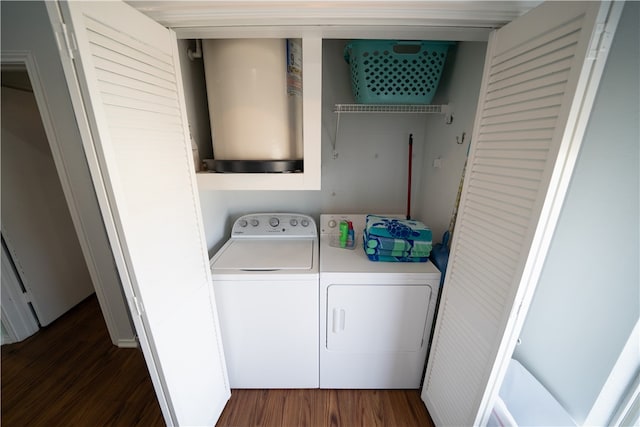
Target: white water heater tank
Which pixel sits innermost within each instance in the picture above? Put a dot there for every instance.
(252, 113)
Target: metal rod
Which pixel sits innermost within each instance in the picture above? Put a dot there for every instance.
(409, 178)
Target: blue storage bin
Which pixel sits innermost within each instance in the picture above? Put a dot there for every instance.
(395, 72)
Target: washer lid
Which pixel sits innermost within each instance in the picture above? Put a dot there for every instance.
(266, 255)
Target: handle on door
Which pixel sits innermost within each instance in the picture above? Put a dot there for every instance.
(338, 320)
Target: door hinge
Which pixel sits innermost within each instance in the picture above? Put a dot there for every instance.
(66, 42)
(27, 296)
(138, 305)
(598, 43)
(519, 308)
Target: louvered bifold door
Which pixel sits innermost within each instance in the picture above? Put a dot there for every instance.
(531, 96)
(129, 78)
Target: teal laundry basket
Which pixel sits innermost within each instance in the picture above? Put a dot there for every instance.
(395, 72)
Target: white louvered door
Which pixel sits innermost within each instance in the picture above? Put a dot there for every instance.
(126, 87)
(535, 100)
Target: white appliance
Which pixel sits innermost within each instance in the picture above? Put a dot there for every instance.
(375, 317)
(255, 108)
(265, 281)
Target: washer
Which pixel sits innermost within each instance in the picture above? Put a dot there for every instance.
(375, 317)
(265, 281)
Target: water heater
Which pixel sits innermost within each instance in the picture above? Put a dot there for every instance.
(255, 104)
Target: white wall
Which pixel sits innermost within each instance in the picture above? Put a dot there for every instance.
(588, 298)
(36, 224)
(369, 173)
(196, 95)
(25, 27)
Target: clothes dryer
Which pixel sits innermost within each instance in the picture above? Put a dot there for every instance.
(375, 317)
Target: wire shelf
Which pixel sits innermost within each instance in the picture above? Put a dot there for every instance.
(339, 109)
(389, 108)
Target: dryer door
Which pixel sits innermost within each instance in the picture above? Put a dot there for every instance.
(377, 318)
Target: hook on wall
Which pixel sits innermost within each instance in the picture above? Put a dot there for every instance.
(448, 118)
(447, 110)
(460, 140)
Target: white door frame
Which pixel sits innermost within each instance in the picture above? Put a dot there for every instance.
(620, 394)
(25, 60)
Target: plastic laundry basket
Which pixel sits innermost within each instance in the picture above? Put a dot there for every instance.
(395, 72)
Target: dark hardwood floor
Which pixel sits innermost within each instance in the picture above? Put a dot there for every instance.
(314, 407)
(69, 374)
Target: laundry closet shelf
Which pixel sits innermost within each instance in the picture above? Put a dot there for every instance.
(391, 108)
(258, 181)
(340, 109)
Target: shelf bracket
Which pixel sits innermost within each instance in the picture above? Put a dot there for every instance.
(334, 153)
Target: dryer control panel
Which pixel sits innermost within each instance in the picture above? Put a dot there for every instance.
(274, 225)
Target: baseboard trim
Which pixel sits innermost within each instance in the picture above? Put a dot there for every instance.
(128, 343)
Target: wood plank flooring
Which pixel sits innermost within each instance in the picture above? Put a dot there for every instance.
(314, 407)
(69, 374)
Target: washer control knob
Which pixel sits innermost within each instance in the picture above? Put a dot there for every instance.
(243, 223)
(255, 222)
(274, 221)
(332, 223)
(304, 222)
(293, 222)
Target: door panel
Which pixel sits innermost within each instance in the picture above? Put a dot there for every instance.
(127, 92)
(270, 331)
(371, 319)
(530, 116)
(18, 321)
(184, 347)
